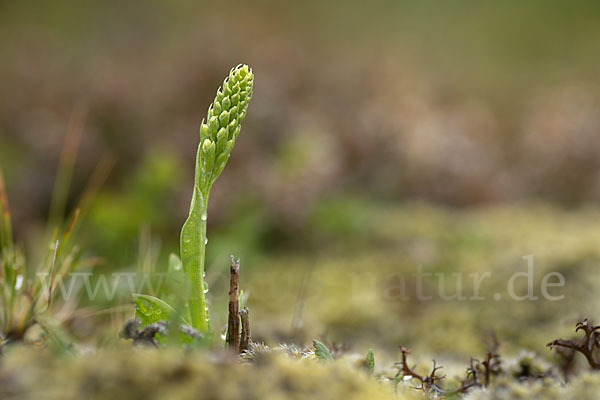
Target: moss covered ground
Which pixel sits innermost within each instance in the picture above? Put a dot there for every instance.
(359, 292)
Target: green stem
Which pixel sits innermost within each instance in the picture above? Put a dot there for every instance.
(203, 316)
(193, 249)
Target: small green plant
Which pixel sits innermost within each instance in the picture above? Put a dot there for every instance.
(370, 361)
(321, 351)
(218, 133)
(28, 292)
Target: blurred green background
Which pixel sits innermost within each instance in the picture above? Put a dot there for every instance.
(361, 110)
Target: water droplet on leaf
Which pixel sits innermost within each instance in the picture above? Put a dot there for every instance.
(19, 282)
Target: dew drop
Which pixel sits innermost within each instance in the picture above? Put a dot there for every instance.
(205, 240)
(205, 288)
(19, 282)
(203, 216)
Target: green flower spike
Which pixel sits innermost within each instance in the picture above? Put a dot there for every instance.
(217, 137)
(218, 133)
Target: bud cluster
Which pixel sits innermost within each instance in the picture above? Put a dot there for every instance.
(223, 123)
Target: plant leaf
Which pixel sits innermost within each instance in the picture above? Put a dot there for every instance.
(150, 309)
(193, 236)
(321, 351)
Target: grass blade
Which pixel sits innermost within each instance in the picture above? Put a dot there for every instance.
(6, 240)
(66, 166)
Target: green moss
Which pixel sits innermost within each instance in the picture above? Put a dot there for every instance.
(355, 295)
(148, 374)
